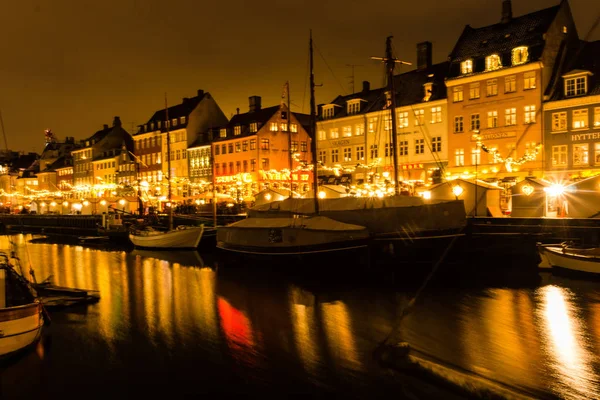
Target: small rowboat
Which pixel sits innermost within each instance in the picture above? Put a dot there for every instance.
(563, 258)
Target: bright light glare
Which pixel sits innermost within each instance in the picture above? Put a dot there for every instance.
(322, 194)
(555, 190)
(427, 195)
(457, 190)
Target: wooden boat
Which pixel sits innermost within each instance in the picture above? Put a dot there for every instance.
(184, 237)
(572, 259)
(21, 313)
(291, 236)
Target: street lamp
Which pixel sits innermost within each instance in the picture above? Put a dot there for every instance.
(457, 190)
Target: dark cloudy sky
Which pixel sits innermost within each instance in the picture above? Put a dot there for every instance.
(72, 65)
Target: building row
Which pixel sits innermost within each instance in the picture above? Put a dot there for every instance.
(516, 99)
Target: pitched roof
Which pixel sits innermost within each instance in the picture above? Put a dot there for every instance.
(586, 58)
(526, 30)
(409, 87)
(24, 161)
(61, 162)
(184, 109)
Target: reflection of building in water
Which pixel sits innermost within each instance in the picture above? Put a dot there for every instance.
(302, 312)
(338, 329)
(567, 345)
(498, 337)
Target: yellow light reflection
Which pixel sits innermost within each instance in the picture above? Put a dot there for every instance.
(303, 322)
(338, 330)
(567, 345)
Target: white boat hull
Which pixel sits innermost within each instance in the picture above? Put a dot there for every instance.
(20, 327)
(580, 263)
(188, 238)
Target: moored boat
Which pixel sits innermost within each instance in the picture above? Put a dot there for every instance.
(21, 318)
(184, 237)
(563, 258)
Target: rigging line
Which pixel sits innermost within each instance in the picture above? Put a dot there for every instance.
(344, 91)
(306, 79)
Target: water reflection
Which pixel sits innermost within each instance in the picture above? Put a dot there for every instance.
(567, 344)
(171, 308)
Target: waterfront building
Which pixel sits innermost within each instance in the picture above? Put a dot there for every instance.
(188, 121)
(252, 152)
(572, 118)
(91, 168)
(200, 165)
(55, 155)
(498, 77)
(354, 132)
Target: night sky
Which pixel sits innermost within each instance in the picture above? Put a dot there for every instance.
(71, 66)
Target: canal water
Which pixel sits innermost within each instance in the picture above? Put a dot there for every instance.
(171, 324)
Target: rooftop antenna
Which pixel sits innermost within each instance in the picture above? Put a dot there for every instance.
(352, 74)
(390, 63)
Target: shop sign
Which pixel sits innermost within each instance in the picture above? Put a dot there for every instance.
(243, 177)
(284, 176)
(495, 135)
(412, 166)
(527, 189)
(585, 136)
(342, 142)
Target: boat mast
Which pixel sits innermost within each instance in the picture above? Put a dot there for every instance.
(169, 163)
(214, 189)
(313, 128)
(7, 167)
(289, 126)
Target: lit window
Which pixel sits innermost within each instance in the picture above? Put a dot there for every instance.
(459, 157)
(347, 154)
(576, 86)
(419, 117)
(466, 67)
(529, 80)
(372, 124)
(303, 147)
(328, 111)
(223, 133)
(492, 119)
(374, 151)
(335, 155)
(334, 133)
(252, 144)
(529, 114)
(475, 123)
(580, 119)
(347, 131)
(294, 146)
(476, 156)
(322, 135)
(474, 91)
(510, 116)
(492, 87)
(519, 55)
(403, 147)
(294, 128)
(264, 144)
(436, 115)
(238, 147)
(510, 84)
(273, 127)
(359, 130)
(253, 127)
(387, 122)
(353, 107)
(492, 62)
(237, 130)
(457, 94)
(360, 153)
(245, 145)
(597, 116)
(403, 119)
(174, 121)
(284, 127)
(580, 154)
(182, 119)
(597, 153)
(264, 164)
(323, 156)
(458, 124)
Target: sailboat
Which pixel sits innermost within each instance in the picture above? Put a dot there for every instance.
(21, 313)
(294, 235)
(184, 237)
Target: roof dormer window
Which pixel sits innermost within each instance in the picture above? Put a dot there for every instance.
(493, 62)
(575, 86)
(328, 111)
(466, 67)
(520, 55)
(223, 133)
(428, 89)
(237, 130)
(353, 106)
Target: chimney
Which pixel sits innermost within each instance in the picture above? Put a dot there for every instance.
(105, 126)
(254, 103)
(117, 122)
(366, 86)
(506, 11)
(423, 55)
(200, 92)
(238, 111)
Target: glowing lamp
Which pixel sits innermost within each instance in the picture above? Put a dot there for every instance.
(53, 204)
(268, 196)
(66, 204)
(322, 194)
(197, 202)
(86, 203)
(102, 202)
(122, 202)
(43, 204)
(77, 206)
(229, 204)
(555, 190)
(457, 190)
(202, 201)
(427, 195)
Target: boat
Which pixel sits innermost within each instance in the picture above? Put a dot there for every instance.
(183, 237)
(294, 236)
(575, 260)
(21, 313)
